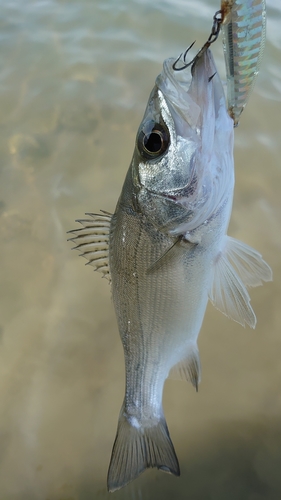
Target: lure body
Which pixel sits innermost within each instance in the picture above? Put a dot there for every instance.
(243, 30)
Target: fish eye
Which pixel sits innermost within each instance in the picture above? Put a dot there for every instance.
(153, 140)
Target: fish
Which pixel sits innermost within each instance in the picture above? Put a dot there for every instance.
(166, 253)
(243, 36)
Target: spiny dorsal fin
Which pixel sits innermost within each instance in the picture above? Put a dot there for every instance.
(236, 267)
(93, 240)
(188, 368)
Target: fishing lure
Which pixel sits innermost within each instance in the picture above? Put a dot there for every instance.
(242, 23)
(243, 36)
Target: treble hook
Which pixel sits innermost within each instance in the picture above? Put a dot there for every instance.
(212, 38)
(184, 56)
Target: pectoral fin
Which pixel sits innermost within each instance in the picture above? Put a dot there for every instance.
(169, 254)
(236, 267)
(93, 239)
(188, 368)
(163, 259)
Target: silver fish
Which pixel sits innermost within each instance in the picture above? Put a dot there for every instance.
(167, 253)
(243, 31)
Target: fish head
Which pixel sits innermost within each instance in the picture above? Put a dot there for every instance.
(183, 160)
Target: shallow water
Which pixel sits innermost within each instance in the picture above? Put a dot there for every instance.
(75, 77)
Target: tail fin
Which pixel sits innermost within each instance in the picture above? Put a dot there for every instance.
(137, 448)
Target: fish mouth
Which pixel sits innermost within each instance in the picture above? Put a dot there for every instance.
(175, 86)
(191, 91)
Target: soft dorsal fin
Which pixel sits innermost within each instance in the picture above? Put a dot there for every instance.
(189, 368)
(93, 240)
(236, 267)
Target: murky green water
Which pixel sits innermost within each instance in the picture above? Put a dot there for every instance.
(75, 77)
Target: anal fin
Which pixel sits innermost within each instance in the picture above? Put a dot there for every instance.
(189, 368)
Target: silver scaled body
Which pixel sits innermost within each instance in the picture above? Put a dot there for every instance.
(166, 252)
